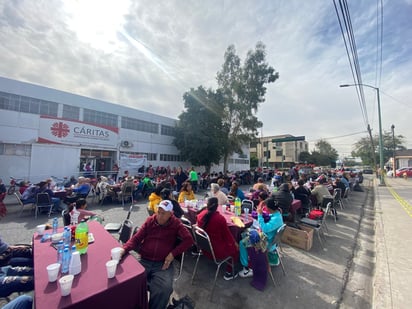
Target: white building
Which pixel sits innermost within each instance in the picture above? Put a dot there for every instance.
(46, 132)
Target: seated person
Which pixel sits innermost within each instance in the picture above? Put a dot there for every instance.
(186, 192)
(167, 194)
(81, 205)
(302, 193)
(235, 191)
(16, 279)
(284, 199)
(269, 228)
(20, 302)
(43, 187)
(15, 255)
(260, 188)
(221, 183)
(340, 185)
(260, 183)
(320, 190)
(23, 186)
(222, 240)
(221, 197)
(156, 242)
(128, 183)
(154, 199)
(80, 190)
(16, 269)
(29, 195)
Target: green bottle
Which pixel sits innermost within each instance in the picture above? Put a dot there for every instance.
(82, 237)
(238, 206)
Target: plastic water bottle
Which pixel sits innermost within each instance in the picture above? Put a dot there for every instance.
(238, 208)
(67, 236)
(59, 247)
(66, 261)
(82, 237)
(55, 225)
(74, 216)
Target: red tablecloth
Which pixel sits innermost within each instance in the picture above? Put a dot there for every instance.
(296, 205)
(91, 288)
(191, 214)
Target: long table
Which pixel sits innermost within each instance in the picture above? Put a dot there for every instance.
(191, 214)
(91, 288)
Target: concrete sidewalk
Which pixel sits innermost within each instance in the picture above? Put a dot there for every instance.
(393, 275)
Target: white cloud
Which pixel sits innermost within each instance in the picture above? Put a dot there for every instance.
(146, 54)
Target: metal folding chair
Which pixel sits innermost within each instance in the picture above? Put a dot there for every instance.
(274, 247)
(318, 225)
(43, 200)
(204, 244)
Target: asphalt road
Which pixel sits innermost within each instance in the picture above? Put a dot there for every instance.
(339, 276)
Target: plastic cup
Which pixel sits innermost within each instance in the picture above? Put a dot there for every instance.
(232, 208)
(224, 208)
(116, 253)
(53, 271)
(111, 268)
(40, 229)
(65, 283)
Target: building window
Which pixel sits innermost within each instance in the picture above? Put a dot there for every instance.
(167, 130)
(102, 118)
(71, 112)
(15, 150)
(24, 104)
(253, 144)
(170, 157)
(265, 144)
(140, 125)
(279, 153)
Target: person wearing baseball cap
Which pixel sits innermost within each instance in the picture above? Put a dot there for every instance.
(156, 242)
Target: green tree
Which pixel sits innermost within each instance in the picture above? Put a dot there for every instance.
(199, 133)
(243, 89)
(305, 157)
(363, 147)
(254, 162)
(324, 154)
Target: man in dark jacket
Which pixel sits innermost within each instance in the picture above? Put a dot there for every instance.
(284, 199)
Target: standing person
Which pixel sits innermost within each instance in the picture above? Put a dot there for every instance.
(115, 171)
(194, 179)
(223, 242)
(180, 178)
(88, 169)
(156, 242)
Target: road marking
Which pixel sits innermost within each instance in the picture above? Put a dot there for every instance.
(406, 206)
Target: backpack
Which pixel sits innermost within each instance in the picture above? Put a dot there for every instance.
(316, 214)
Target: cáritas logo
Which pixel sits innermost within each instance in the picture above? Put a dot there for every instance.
(60, 129)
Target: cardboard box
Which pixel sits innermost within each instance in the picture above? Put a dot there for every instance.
(298, 238)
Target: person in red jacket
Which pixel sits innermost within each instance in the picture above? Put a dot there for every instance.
(156, 243)
(223, 242)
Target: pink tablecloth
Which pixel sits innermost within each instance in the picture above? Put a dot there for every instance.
(91, 288)
(191, 214)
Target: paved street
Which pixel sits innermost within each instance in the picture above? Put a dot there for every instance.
(339, 276)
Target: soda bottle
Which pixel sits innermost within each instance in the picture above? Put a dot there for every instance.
(82, 237)
(238, 204)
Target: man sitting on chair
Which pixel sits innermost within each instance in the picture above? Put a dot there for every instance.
(156, 243)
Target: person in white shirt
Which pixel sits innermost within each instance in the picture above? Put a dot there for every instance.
(221, 197)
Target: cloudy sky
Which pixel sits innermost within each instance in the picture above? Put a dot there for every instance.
(145, 54)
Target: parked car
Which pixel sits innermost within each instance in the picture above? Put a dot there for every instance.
(367, 170)
(407, 170)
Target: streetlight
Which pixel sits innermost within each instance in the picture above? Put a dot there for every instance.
(381, 181)
(393, 155)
